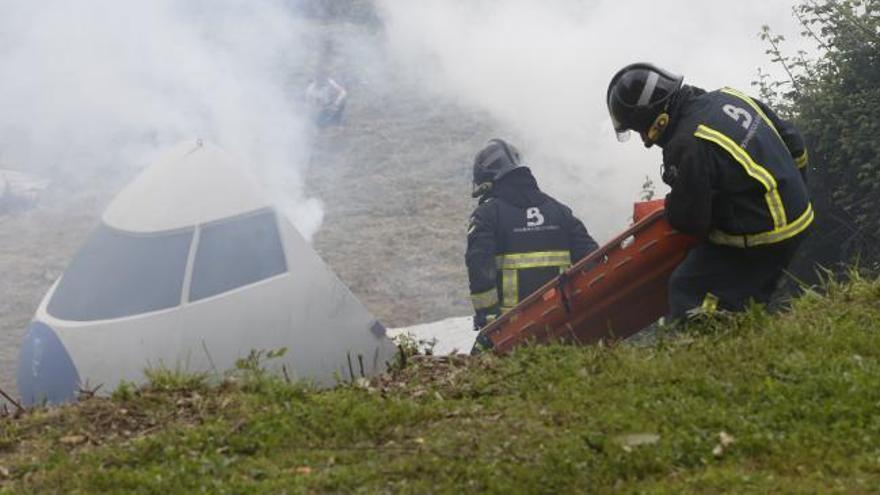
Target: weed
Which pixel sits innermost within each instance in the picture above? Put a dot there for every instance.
(175, 380)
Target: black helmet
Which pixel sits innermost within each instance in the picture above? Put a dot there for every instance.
(637, 95)
(493, 162)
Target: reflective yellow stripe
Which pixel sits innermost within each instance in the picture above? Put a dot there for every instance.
(509, 288)
(801, 161)
(777, 235)
(485, 300)
(710, 303)
(757, 172)
(536, 259)
(751, 103)
(510, 264)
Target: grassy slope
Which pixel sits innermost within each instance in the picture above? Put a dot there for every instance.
(796, 397)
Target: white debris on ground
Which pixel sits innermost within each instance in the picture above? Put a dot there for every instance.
(449, 336)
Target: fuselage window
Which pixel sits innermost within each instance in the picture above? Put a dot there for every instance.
(236, 252)
(119, 273)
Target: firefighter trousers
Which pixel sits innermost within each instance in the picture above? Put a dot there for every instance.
(735, 276)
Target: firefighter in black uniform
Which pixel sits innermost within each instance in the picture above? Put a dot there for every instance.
(737, 174)
(518, 237)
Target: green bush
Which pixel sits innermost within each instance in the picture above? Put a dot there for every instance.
(835, 101)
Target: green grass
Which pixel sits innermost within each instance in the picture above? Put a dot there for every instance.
(752, 403)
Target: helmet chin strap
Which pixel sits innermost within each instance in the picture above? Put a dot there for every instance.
(657, 128)
(481, 189)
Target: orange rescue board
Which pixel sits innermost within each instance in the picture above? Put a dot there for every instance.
(611, 294)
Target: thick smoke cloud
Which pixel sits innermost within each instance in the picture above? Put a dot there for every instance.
(91, 90)
(542, 69)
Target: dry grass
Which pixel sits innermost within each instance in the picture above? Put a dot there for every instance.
(396, 183)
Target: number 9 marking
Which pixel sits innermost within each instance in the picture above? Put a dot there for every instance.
(736, 112)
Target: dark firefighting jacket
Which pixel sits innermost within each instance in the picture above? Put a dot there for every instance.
(518, 239)
(737, 171)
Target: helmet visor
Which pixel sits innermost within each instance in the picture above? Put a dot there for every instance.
(622, 132)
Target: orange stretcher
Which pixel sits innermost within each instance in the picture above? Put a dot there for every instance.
(611, 294)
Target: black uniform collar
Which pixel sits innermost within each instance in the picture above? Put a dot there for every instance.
(678, 106)
(519, 188)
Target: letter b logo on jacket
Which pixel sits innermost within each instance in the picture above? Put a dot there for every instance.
(534, 217)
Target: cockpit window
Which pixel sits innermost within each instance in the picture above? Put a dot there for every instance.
(236, 252)
(120, 273)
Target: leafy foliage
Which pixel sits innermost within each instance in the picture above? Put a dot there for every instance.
(835, 101)
(648, 189)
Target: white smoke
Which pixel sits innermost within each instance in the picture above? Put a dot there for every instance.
(93, 90)
(542, 69)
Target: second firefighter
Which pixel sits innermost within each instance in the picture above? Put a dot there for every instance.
(519, 238)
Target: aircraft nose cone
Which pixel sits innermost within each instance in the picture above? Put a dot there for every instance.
(45, 370)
